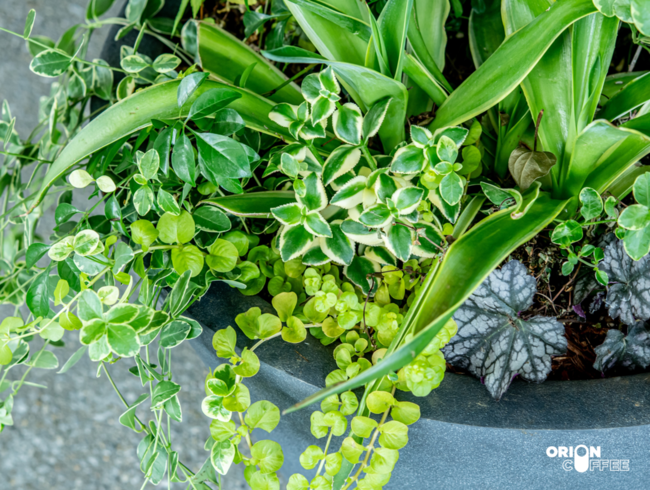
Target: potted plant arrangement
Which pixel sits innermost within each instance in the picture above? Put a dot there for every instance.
(323, 179)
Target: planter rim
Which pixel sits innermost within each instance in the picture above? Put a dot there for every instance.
(554, 405)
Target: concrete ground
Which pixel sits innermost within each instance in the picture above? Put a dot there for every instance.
(67, 437)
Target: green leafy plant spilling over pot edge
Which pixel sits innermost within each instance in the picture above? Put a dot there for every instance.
(366, 196)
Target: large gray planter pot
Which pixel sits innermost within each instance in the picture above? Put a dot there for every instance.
(464, 438)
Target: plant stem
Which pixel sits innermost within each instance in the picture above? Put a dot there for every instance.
(539, 120)
(369, 447)
(248, 437)
(24, 157)
(142, 424)
(327, 446)
(264, 340)
(287, 82)
(597, 222)
(369, 158)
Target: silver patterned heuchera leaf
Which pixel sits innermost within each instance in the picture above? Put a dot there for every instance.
(628, 294)
(494, 343)
(630, 351)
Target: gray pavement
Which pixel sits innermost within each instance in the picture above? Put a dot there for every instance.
(67, 437)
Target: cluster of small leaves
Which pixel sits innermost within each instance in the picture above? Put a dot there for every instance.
(227, 394)
(104, 274)
(570, 232)
(630, 11)
(634, 221)
(382, 205)
(375, 463)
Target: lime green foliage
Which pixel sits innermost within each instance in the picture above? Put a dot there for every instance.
(209, 164)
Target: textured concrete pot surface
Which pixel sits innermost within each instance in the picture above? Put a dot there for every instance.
(464, 439)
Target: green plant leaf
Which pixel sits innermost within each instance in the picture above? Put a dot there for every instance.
(188, 258)
(567, 233)
(253, 204)
(588, 168)
(176, 229)
(461, 265)
(211, 101)
(227, 57)
(629, 98)
(143, 200)
(38, 296)
(221, 157)
(592, 204)
(34, 253)
(428, 37)
(174, 333)
(224, 342)
(522, 50)
(29, 23)
(50, 63)
(144, 233)
(324, 27)
(211, 219)
(393, 25)
(137, 111)
(262, 415)
(634, 217)
(249, 366)
(123, 340)
(641, 190)
(163, 391)
(369, 85)
(347, 122)
(223, 256)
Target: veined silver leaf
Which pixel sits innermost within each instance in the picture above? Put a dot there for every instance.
(628, 295)
(494, 343)
(630, 351)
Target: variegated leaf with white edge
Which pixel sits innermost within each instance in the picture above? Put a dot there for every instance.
(421, 137)
(315, 198)
(338, 247)
(407, 199)
(315, 255)
(385, 187)
(374, 118)
(316, 225)
(377, 216)
(288, 214)
(399, 241)
(340, 161)
(381, 255)
(347, 122)
(294, 241)
(284, 114)
(359, 233)
(409, 159)
(429, 241)
(358, 271)
(351, 194)
(458, 134)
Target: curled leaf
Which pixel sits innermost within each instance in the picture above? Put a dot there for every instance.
(527, 166)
